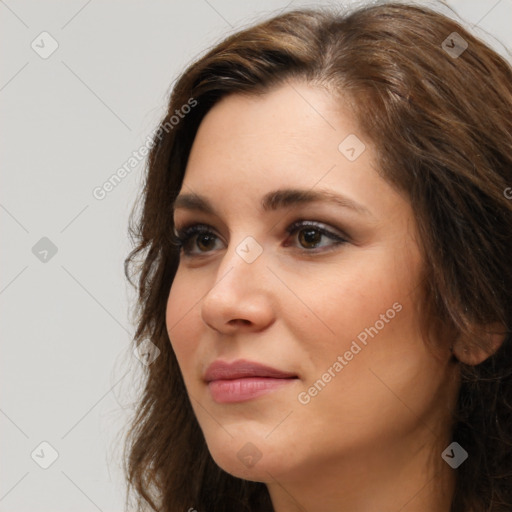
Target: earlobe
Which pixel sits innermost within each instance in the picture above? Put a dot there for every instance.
(491, 338)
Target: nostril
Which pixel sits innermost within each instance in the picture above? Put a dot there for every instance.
(241, 321)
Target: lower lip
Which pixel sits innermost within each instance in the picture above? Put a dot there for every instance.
(240, 390)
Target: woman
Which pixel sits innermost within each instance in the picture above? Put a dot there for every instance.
(326, 240)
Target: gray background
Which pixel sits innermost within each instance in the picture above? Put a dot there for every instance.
(69, 121)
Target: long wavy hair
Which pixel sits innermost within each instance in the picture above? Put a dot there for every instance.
(440, 117)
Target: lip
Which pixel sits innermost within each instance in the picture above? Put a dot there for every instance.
(243, 380)
(242, 368)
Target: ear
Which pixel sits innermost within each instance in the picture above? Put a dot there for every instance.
(491, 336)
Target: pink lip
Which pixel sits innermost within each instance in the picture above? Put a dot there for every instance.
(243, 380)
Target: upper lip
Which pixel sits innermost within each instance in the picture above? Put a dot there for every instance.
(241, 369)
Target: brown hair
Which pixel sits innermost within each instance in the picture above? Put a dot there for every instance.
(442, 127)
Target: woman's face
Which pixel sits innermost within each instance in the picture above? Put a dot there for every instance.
(325, 291)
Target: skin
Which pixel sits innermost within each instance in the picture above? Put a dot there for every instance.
(372, 438)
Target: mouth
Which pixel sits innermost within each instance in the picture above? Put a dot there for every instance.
(244, 380)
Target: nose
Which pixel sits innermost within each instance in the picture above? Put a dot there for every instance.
(240, 298)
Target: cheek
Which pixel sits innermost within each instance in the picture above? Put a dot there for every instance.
(367, 314)
(345, 302)
(374, 316)
(181, 322)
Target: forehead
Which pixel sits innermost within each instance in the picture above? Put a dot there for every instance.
(294, 136)
(291, 118)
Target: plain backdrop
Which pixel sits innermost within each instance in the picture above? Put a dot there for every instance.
(82, 85)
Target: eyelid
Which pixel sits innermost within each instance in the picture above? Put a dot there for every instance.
(186, 232)
(320, 226)
(181, 228)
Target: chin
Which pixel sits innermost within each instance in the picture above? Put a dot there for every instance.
(247, 457)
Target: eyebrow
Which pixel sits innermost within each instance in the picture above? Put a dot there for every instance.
(275, 200)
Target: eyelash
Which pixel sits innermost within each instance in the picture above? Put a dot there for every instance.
(184, 235)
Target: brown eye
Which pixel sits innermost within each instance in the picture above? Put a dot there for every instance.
(311, 234)
(205, 240)
(310, 238)
(199, 239)
(197, 236)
